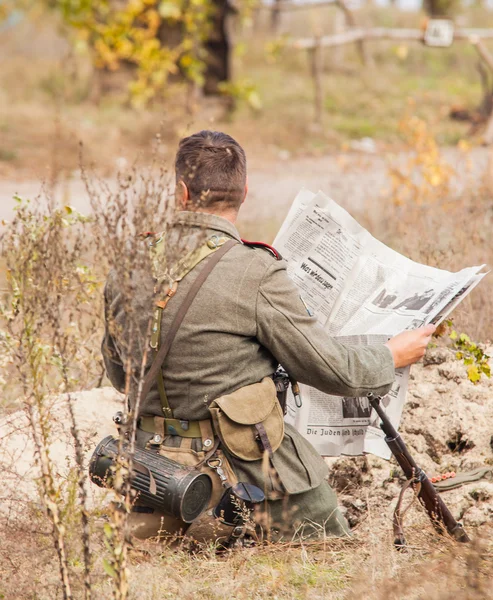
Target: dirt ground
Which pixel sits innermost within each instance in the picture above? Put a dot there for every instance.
(356, 180)
(448, 426)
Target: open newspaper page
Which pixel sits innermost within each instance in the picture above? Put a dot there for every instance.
(320, 253)
(364, 293)
(336, 425)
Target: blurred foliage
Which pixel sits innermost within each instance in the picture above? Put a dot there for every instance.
(441, 8)
(472, 355)
(137, 33)
(244, 90)
(119, 34)
(426, 176)
(275, 49)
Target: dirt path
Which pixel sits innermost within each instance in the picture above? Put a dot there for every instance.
(353, 180)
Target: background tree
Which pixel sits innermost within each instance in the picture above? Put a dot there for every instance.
(441, 8)
(150, 41)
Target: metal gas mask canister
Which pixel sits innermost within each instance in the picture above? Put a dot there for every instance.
(161, 483)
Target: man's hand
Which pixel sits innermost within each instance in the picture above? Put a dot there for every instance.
(409, 346)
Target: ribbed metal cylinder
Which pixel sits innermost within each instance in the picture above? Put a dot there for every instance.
(180, 492)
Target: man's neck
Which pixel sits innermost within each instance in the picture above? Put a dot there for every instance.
(229, 215)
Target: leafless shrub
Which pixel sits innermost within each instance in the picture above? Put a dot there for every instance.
(57, 260)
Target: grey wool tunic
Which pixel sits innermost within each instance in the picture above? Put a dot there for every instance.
(246, 319)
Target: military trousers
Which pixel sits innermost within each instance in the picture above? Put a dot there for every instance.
(308, 516)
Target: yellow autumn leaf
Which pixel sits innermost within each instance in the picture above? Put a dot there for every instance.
(473, 373)
(435, 179)
(169, 10)
(402, 52)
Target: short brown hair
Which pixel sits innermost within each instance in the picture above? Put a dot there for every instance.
(213, 167)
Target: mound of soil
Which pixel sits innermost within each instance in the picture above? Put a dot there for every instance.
(93, 411)
(447, 425)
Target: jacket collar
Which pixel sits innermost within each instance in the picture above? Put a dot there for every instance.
(207, 221)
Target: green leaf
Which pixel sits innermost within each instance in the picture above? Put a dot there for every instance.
(486, 370)
(459, 355)
(453, 335)
(68, 209)
(108, 568)
(465, 338)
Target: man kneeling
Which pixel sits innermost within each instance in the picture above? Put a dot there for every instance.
(223, 317)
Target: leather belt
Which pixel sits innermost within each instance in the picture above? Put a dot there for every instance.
(162, 426)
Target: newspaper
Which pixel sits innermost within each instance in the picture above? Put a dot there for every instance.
(362, 292)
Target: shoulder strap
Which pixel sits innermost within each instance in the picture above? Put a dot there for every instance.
(150, 378)
(264, 246)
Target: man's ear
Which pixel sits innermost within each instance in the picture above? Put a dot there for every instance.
(246, 191)
(182, 195)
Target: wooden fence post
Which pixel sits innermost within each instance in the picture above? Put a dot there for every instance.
(316, 62)
(339, 27)
(275, 17)
(366, 58)
(487, 57)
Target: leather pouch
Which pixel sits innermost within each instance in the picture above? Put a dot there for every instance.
(243, 418)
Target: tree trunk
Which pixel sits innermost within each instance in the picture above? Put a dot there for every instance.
(275, 18)
(218, 47)
(440, 8)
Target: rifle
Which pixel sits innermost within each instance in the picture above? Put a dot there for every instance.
(439, 514)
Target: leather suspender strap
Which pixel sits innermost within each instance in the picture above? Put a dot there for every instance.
(150, 378)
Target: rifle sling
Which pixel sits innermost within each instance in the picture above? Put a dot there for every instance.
(157, 364)
(399, 512)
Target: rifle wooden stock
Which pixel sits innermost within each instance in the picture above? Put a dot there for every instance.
(437, 510)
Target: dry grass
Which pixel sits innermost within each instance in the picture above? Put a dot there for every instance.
(366, 566)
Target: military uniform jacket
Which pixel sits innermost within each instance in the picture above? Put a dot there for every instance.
(246, 319)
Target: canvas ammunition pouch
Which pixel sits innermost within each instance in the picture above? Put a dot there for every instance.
(249, 422)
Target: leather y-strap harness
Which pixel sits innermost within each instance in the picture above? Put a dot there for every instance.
(157, 364)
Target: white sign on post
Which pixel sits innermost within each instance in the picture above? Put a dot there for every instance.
(439, 33)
